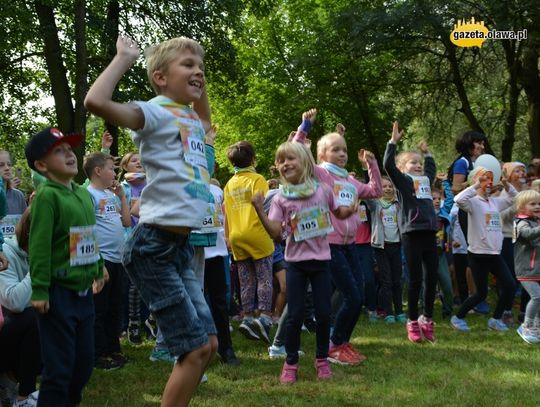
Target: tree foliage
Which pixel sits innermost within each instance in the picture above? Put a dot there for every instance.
(364, 63)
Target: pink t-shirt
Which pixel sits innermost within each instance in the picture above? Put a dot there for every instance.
(297, 212)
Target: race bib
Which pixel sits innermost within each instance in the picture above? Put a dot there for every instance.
(362, 213)
(310, 223)
(212, 220)
(192, 135)
(345, 193)
(107, 207)
(389, 219)
(493, 222)
(8, 223)
(83, 246)
(422, 189)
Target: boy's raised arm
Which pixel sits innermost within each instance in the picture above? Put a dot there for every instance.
(202, 108)
(99, 98)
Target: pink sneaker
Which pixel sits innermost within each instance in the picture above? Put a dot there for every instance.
(427, 328)
(413, 331)
(323, 369)
(288, 373)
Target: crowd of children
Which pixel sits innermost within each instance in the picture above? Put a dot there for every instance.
(163, 243)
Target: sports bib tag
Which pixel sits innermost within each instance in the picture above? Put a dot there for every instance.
(362, 213)
(422, 189)
(212, 219)
(389, 218)
(345, 193)
(83, 247)
(192, 135)
(107, 207)
(310, 223)
(493, 222)
(8, 223)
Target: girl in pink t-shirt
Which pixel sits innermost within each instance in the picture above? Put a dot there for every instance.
(303, 206)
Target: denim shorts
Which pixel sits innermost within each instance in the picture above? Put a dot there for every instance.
(157, 262)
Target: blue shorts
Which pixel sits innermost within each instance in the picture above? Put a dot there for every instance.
(157, 262)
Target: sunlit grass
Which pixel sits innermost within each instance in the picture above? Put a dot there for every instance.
(482, 368)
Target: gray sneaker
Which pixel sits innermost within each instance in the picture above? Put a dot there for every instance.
(263, 325)
(249, 329)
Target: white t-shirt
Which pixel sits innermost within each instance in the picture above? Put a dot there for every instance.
(109, 229)
(220, 249)
(171, 146)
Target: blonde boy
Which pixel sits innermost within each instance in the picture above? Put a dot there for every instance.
(170, 137)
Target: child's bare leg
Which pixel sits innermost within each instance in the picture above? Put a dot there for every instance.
(213, 342)
(186, 375)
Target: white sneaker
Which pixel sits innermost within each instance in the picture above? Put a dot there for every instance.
(279, 352)
(30, 401)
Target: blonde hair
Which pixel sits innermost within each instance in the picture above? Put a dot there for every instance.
(123, 164)
(160, 56)
(325, 142)
(404, 156)
(535, 185)
(524, 197)
(299, 151)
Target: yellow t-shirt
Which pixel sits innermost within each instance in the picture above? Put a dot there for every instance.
(247, 235)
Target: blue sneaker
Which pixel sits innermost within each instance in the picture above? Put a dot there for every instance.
(459, 324)
(162, 355)
(390, 319)
(279, 352)
(482, 308)
(401, 318)
(497, 325)
(527, 335)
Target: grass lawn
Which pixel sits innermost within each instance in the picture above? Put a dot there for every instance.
(481, 368)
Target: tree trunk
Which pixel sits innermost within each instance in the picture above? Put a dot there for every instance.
(110, 35)
(530, 79)
(460, 86)
(81, 79)
(55, 67)
(507, 143)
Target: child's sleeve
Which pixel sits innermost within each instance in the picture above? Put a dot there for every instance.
(526, 232)
(40, 245)
(464, 199)
(448, 199)
(373, 189)
(400, 180)
(430, 169)
(210, 153)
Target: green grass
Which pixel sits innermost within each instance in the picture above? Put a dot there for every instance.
(481, 368)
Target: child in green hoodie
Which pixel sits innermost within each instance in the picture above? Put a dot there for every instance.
(65, 267)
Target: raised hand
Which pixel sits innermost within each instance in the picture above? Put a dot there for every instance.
(211, 134)
(340, 129)
(127, 47)
(106, 140)
(310, 115)
(365, 155)
(396, 133)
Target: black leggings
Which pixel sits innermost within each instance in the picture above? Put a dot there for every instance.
(481, 265)
(20, 350)
(460, 267)
(421, 248)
